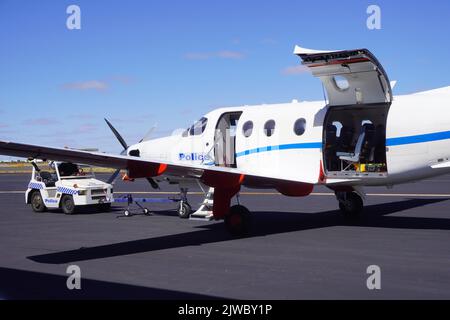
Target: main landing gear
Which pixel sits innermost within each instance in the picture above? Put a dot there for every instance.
(237, 218)
(237, 221)
(350, 203)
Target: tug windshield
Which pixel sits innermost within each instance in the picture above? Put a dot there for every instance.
(72, 170)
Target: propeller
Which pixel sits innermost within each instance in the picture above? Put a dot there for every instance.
(117, 134)
(113, 177)
(148, 134)
(153, 183)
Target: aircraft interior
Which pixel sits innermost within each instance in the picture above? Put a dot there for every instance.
(355, 140)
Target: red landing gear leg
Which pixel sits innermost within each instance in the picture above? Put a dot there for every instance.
(226, 186)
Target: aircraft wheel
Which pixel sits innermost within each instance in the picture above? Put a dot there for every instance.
(352, 205)
(126, 213)
(237, 221)
(37, 204)
(67, 204)
(184, 210)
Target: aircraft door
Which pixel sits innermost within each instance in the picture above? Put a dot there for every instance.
(225, 140)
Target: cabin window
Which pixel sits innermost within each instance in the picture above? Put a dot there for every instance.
(300, 126)
(341, 83)
(269, 128)
(198, 127)
(247, 129)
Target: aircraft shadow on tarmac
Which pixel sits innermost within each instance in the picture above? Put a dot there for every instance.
(264, 223)
(19, 284)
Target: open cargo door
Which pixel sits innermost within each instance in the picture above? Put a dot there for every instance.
(350, 77)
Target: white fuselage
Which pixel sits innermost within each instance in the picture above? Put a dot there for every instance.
(417, 133)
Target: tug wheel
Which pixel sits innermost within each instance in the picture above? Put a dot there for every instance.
(104, 207)
(237, 221)
(67, 204)
(37, 204)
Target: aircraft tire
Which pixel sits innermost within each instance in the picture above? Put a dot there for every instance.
(352, 205)
(184, 210)
(237, 221)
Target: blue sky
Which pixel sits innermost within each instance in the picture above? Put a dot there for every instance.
(141, 63)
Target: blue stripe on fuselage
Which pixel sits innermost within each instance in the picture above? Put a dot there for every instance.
(307, 145)
(436, 136)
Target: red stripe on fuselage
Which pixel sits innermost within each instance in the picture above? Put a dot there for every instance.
(343, 61)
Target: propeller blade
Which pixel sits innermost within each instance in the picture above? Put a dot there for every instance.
(113, 177)
(148, 134)
(117, 134)
(153, 183)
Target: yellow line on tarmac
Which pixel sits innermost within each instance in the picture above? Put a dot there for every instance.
(247, 193)
(435, 195)
(443, 195)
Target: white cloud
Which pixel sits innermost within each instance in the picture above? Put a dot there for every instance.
(85, 128)
(40, 122)
(269, 41)
(230, 54)
(122, 79)
(96, 85)
(292, 70)
(223, 54)
(197, 56)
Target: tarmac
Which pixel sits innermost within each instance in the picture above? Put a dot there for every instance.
(298, 248)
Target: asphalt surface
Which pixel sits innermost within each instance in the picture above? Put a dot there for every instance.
(299, 248)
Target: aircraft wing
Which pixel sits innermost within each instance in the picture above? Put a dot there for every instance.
(63, 154)
(137, 167)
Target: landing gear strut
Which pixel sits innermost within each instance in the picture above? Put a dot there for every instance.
(350, 203)
(184, 208)
(237, 221)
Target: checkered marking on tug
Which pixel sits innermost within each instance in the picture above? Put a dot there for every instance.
(35, 185)
(66, 190)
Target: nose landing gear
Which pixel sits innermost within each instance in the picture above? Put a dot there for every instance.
(184, 208)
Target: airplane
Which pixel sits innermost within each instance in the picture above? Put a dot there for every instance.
(361, 135)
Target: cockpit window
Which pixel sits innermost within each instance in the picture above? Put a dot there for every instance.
(198, 127)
